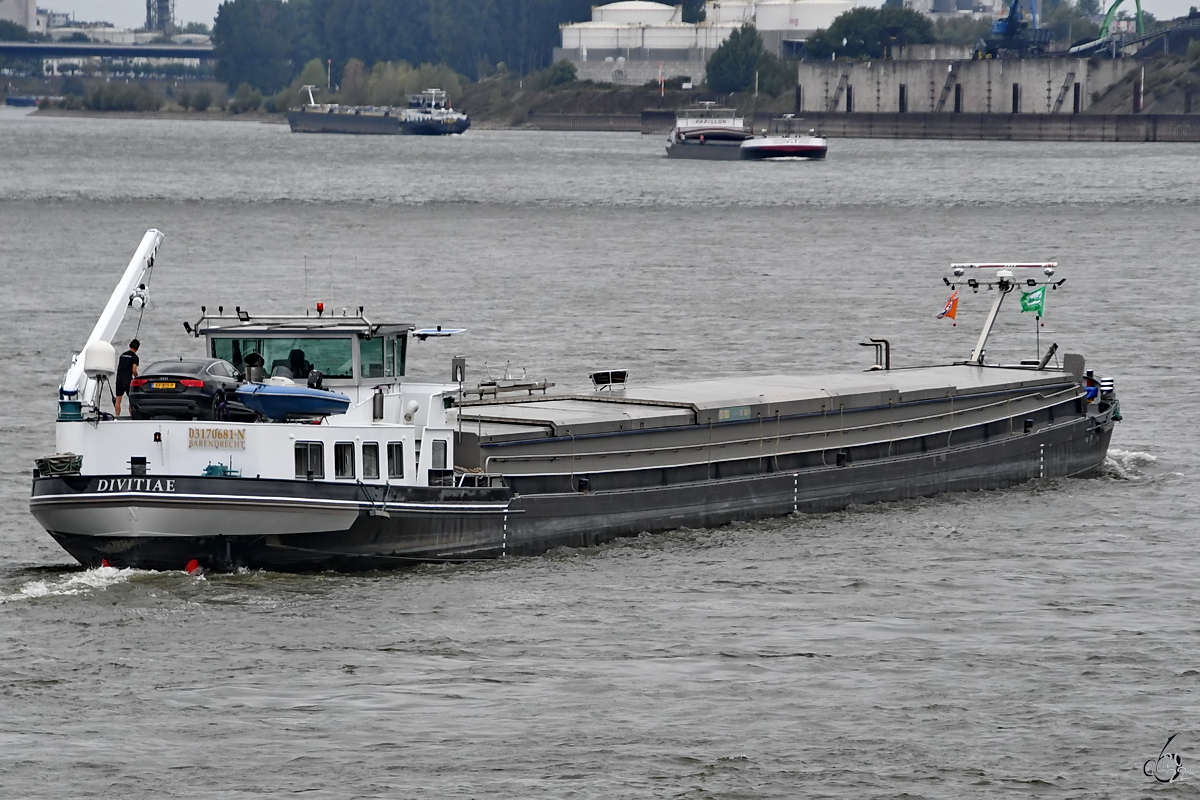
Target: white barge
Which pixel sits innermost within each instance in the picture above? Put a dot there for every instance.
(415, 472)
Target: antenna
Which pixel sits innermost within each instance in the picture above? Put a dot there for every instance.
(1004, 281)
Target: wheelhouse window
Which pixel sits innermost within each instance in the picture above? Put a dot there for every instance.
(439, 454)
(343, 460)
(395, 454)
(370, 460)
(370, 354)
(310, 460)
(291, 358)
(399, 350)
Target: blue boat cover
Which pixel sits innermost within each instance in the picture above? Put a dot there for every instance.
(281, 402)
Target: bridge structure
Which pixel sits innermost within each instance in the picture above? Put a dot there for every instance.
(40, 50)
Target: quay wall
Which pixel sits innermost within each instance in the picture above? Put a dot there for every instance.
(1013, 127)
(1000, 127)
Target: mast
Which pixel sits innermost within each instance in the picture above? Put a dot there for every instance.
(130, 291)
(1004, 282)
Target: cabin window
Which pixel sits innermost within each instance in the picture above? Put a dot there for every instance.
(310, 460)
(371, 460)
(389, 358)
(370, 354)
(400, 349)
(291, 358)
(343, 460)
(439, 454)
(395, 454)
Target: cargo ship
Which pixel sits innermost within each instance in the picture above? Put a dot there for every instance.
(406, 471)
(427, 114)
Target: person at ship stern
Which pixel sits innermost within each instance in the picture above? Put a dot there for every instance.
(127, 370)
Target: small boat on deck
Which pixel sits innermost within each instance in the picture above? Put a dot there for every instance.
(280, 402)
(404, 471)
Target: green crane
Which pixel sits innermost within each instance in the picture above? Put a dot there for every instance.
(1112, 12)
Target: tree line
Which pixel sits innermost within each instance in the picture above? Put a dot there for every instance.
(266, 43)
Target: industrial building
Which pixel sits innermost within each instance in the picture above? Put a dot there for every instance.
(625, 41)
(25, 13)
(160, 18)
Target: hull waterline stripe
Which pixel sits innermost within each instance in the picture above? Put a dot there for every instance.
(122, 498)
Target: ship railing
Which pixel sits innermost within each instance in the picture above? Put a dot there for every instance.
(1055, 397)
(478, 479)
(494, 389)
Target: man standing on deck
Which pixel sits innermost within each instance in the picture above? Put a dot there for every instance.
(127, 369)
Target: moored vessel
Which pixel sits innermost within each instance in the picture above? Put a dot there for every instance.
(718, 134)
(407, 470)
(427, 114)
(708, 132)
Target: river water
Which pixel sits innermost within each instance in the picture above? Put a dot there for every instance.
(1038, 641)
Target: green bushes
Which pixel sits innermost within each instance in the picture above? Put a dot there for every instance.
(120, 97)
(559, 73)
(124, 97)
(246, 98)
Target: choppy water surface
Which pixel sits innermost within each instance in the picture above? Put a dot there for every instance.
(1039, 641)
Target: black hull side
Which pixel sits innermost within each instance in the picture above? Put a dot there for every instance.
(761, 153)
(709, 151)
(433, 128)
(370, 124)
(457, 524)
(367, 124)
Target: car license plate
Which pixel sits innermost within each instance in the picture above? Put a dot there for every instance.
(164, 386)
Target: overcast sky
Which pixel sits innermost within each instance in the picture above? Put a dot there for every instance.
(132, 13)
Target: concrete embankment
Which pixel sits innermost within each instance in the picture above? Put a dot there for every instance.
(840, 125)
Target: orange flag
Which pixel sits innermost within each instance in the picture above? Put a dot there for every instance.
(951, 309)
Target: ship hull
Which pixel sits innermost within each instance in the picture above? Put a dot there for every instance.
(304, 121)
(296, 526)
(706, 151)
(755, 151)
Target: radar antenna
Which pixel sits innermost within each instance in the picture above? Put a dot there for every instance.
(1004, 281)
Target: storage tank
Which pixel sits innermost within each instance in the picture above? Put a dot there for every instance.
(733, 11)
(637, 11)
(799, 15)
(711, 37)
(598, 35)
(670, 36)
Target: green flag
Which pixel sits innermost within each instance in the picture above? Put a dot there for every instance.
(1034, 301)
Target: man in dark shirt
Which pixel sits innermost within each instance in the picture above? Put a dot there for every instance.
(127, 368)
